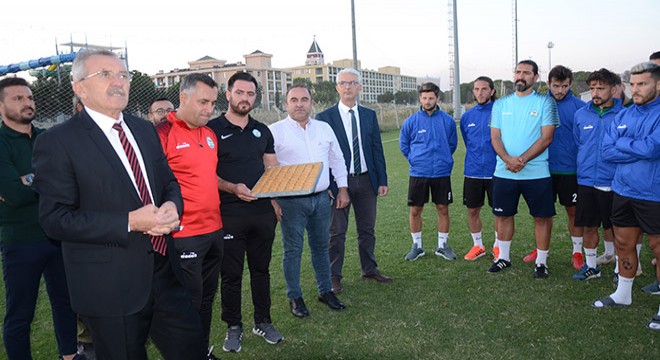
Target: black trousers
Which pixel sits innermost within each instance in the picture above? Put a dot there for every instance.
(200, 258)
(252, 235)
(363, 201)
(168, 317)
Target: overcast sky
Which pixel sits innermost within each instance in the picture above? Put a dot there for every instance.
(411, 34)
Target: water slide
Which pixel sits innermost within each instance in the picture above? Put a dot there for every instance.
(37, 63)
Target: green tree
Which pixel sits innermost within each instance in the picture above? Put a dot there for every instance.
(580, 82)
(324, 92)
(385, 98)
(466, 92)
(302, 81)
(405, 97)
(503, 87)
(143, 93)
(52, 93)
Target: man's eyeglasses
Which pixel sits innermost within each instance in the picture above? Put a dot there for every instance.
(347, 83)
(110, 75)
(161, 111)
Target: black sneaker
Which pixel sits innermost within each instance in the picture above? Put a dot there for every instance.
(499, 265)
(541, 271)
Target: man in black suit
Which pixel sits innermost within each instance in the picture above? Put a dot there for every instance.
(367, 177)
(107, 193)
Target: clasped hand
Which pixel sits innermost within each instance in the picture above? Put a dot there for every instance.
(514, 163)
(155, 221)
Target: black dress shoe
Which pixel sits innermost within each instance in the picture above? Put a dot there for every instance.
(331, 300)
(377, 276)
(298, 308)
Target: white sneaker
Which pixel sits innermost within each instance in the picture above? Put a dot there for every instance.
(605, 259)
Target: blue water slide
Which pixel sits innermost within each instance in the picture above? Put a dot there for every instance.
(37, 63)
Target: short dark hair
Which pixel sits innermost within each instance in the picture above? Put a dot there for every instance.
(491, 85)
(655, 56)
(11, 81)
(560, 73)
(604, 76)
(160, 99)
(429, 87)
(647, 67)
(190, 80)
(241, 75)
(294, 86)
(535, 68)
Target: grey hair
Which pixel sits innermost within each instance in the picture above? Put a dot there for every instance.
(190, 81)
(349, 71)
(78, 68)
(646, 67)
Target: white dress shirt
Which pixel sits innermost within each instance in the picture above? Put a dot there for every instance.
(316, 142)
(348, 127)
(105, 123)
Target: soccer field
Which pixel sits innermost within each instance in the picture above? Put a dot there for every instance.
(439, 309)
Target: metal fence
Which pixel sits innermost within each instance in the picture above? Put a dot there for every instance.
(54, 100)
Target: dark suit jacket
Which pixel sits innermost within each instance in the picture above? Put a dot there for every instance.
(370, 141)
(85, 195)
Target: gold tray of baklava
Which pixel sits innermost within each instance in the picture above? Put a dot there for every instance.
(288, 180)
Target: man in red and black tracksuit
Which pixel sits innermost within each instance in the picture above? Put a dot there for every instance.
(245, 149)
(191, 152)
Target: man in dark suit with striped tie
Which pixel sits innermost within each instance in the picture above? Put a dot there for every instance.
(356, 128)
(107, 193)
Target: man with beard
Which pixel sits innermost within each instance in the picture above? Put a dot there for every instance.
(190, 148)
(158, 110)
(632, 143)
(522, 127)
(367, 177)
(479, 163)
(428, 140)
(594, 175)
(562, 155)
(245, 149)
(27, 253)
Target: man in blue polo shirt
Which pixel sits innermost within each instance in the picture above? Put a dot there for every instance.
(522, 127)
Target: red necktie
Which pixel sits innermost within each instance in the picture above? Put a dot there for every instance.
(158, 242)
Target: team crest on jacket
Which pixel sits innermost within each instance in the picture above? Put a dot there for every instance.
(209, 141)
(256, 133)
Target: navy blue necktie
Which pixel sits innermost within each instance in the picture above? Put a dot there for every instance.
(357, 168)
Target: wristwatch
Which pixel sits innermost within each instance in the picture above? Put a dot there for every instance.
(29, 178)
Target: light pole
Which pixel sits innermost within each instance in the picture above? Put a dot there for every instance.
(550, 46)
(355, 61)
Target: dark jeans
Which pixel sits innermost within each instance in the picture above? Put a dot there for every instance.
(23, 265)
(252, 235)
(201, 258)
(363, 201)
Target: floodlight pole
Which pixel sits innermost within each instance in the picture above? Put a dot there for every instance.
(355, 61)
